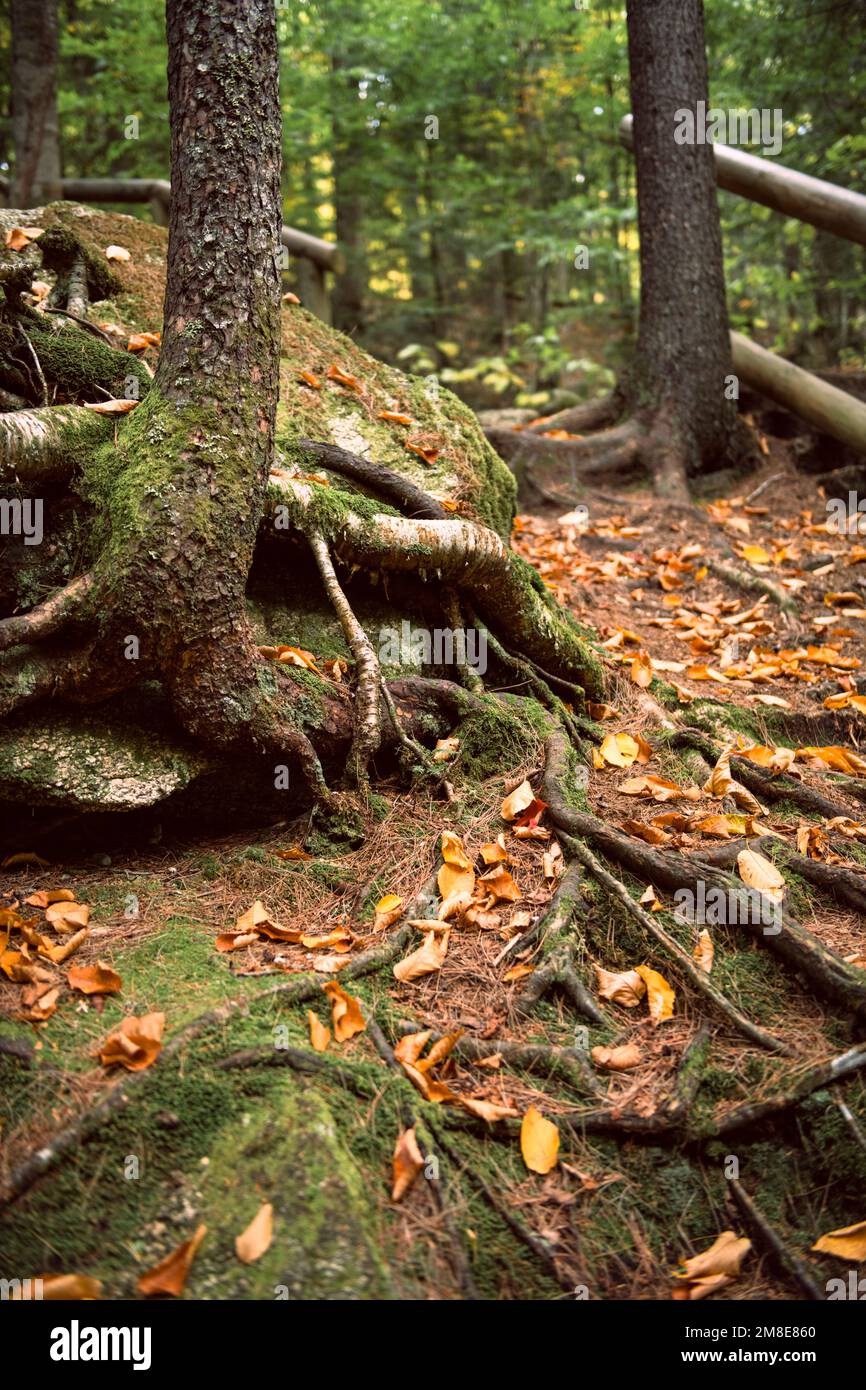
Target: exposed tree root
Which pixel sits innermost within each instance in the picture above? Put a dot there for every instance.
(50, 617)
(393, 487)
(800, 949)
(569, 1064)
(471, 557)
(696, 977)
(558, 967)
(592, 415)
(42, 446)
(790, 1262)
(752, 584)
(367, 735)
(765, 786)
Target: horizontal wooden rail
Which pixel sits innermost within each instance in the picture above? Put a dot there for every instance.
(830, 410)
(821, 204)
(157, 192)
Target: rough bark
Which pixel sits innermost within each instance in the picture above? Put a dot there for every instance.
(683, 353)
(34, 103)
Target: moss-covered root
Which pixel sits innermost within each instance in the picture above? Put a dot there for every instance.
(46, 446)
(473, 558)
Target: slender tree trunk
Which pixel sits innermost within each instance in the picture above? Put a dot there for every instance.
(683, 353)
(348, 294)
(34, 104)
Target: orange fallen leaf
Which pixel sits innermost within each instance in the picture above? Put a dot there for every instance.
(621, 1058)
(345, 1012)
(68, 1288)
(171, 1274)
(426, 452)
(849, 1243)
(660, 996)
(136, 1044)
(49, 896)
(395, 417)
(335, 373)
(94, 979)
(64, 916)
(406, 1164)
(19, 237)
(320, 1036)
(388, 910)
(252, 1243)
(626, 987)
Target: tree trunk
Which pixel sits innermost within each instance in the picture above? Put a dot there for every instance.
(34, 103)
(348, 295)
(683, 354)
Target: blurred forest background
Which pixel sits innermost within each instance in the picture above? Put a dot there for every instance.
(463, 152)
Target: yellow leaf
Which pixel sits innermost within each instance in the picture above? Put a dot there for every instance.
(660, 996)
(642, 669)
(252, 1243)
(117, 253)
(713, 1268)
(539, 1142)
(388, 909)
(19, 237)
(849, 1243)
(621, 750)
(759, 873)
(410, 1047)
(67, 916)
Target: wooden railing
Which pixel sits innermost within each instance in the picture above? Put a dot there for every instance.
(823, 205)
(315, 257)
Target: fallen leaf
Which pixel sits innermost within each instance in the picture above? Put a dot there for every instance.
(136, 1044)
(428, 958)
(335, 373)
(111, 407)
(171, 1274)
(759, 873)
(704, 952)
(388, 909)
(50, 896)
(517, 801)
(19, 237)
(117, 253)
(849, 1243)
(94, 979)
(320, 1036)
(539, 1141)
(712, 1269)
(65, 916)
(406, 1164)
(621, 1058)
(346, 1012)
(252, 1243)
(627, 988)
(67, 1288)
(660, 996)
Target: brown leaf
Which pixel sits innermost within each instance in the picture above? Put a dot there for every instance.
(136, 1044)
(406, 1164)
(388, 910)
(111, 407)
(171, 1274)
(627, 987)
(428, 958)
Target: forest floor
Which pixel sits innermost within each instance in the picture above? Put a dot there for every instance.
(195, 1143)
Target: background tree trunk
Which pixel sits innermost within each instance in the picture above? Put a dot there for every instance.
(683, 354)
(34, 103)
